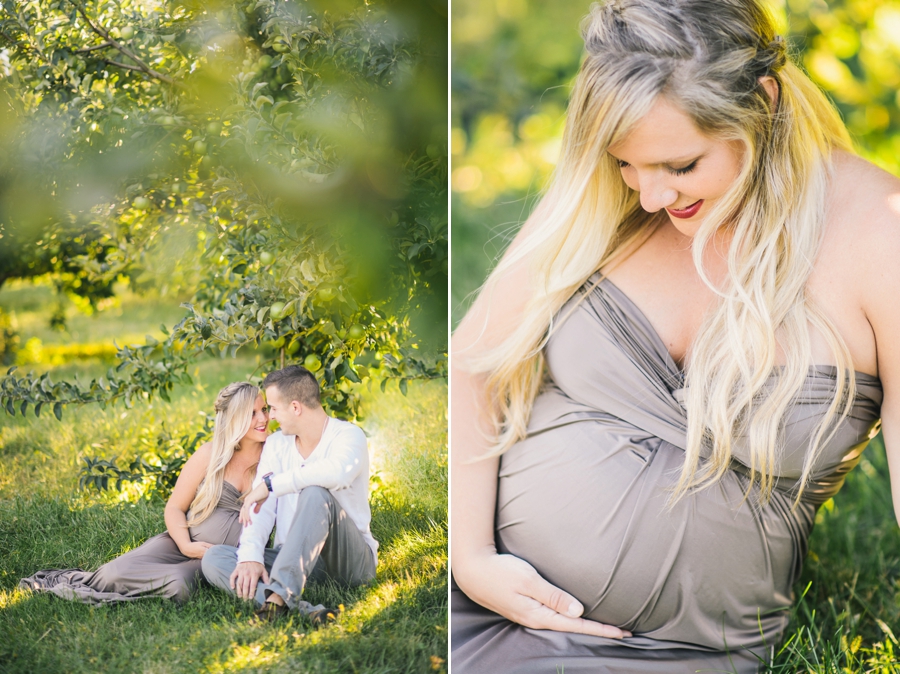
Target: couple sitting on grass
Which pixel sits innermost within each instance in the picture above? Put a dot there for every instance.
(310, 480)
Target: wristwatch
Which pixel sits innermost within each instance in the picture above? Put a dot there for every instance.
(267, 478)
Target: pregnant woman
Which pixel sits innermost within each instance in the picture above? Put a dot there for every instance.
(677, 361)
(202, 511)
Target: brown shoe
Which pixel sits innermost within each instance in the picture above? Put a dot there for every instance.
(324, 616)
(270, 612)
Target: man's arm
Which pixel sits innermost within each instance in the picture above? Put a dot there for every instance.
(256, 534)
(250, 554)
(347, 454)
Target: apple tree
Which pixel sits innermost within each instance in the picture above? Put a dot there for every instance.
(284, 160)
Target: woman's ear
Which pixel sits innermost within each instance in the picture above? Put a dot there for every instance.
(770, 84)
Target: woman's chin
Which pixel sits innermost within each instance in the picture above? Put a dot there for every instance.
(686, 227)
(256, 436)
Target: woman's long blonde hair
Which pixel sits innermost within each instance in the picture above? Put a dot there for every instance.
(706, 57)
(234, 414)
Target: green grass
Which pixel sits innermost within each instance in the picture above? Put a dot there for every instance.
(127, 318)
(848, 614)
(396, 624)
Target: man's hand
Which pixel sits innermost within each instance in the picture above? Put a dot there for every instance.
(245, 576)
(253, 501)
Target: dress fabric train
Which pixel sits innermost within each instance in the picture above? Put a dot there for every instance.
(155, 569)
(583, 497)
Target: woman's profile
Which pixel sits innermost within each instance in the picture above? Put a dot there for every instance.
(677, 361)
(201, 512)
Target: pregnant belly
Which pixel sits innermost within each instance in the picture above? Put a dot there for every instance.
(587, 505)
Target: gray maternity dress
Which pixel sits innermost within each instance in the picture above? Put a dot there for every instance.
(155, 569)
(704, 586)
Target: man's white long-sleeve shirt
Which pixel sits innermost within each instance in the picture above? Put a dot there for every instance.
(340, 463)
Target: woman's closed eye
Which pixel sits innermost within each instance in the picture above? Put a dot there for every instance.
(671, 169)
(684, 169)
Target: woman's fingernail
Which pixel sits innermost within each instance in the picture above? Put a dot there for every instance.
(626, 634)
(574, 609)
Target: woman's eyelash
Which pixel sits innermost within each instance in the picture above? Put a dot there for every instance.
(674, 171)
(687, 169)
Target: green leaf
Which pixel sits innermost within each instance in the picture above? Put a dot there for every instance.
(282, 119)
(57, 411)
(11, 370)
(307, 270)
(403, 386)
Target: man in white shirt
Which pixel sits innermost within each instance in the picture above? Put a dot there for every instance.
(312, 484)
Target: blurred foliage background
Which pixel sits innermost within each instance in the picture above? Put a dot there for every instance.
(513, 63)
(280, 168)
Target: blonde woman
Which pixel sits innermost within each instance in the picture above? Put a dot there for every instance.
(679, 358)
(202, 511)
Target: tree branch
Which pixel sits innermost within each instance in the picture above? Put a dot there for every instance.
(84, 50)
(21, 46)
(122, 65)
(102, 32)
(9, 38)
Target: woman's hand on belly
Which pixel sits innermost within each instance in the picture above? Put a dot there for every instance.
(513, 588)
(195, 549)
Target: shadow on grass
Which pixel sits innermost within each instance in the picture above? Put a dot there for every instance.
(395, 624)
(18, 442)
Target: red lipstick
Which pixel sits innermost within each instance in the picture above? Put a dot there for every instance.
(688, 212)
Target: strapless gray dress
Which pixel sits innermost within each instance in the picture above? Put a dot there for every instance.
(155, 569)
(703, 586)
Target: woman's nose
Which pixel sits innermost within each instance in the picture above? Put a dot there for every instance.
(656, 195)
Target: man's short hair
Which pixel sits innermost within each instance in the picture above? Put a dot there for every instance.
(295, 383)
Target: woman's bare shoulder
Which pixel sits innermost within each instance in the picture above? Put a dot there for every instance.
(864, 200)
(199, 460)
(862, 247)
(863, 214)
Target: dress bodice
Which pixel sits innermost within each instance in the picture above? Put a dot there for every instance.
(606, 360)
(222, 526)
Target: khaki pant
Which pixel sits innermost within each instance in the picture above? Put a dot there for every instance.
(322, 542)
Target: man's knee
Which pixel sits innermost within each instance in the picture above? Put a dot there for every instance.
(217, 564)
(314, 494)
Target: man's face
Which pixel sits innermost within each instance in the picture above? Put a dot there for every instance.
(283, 411)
